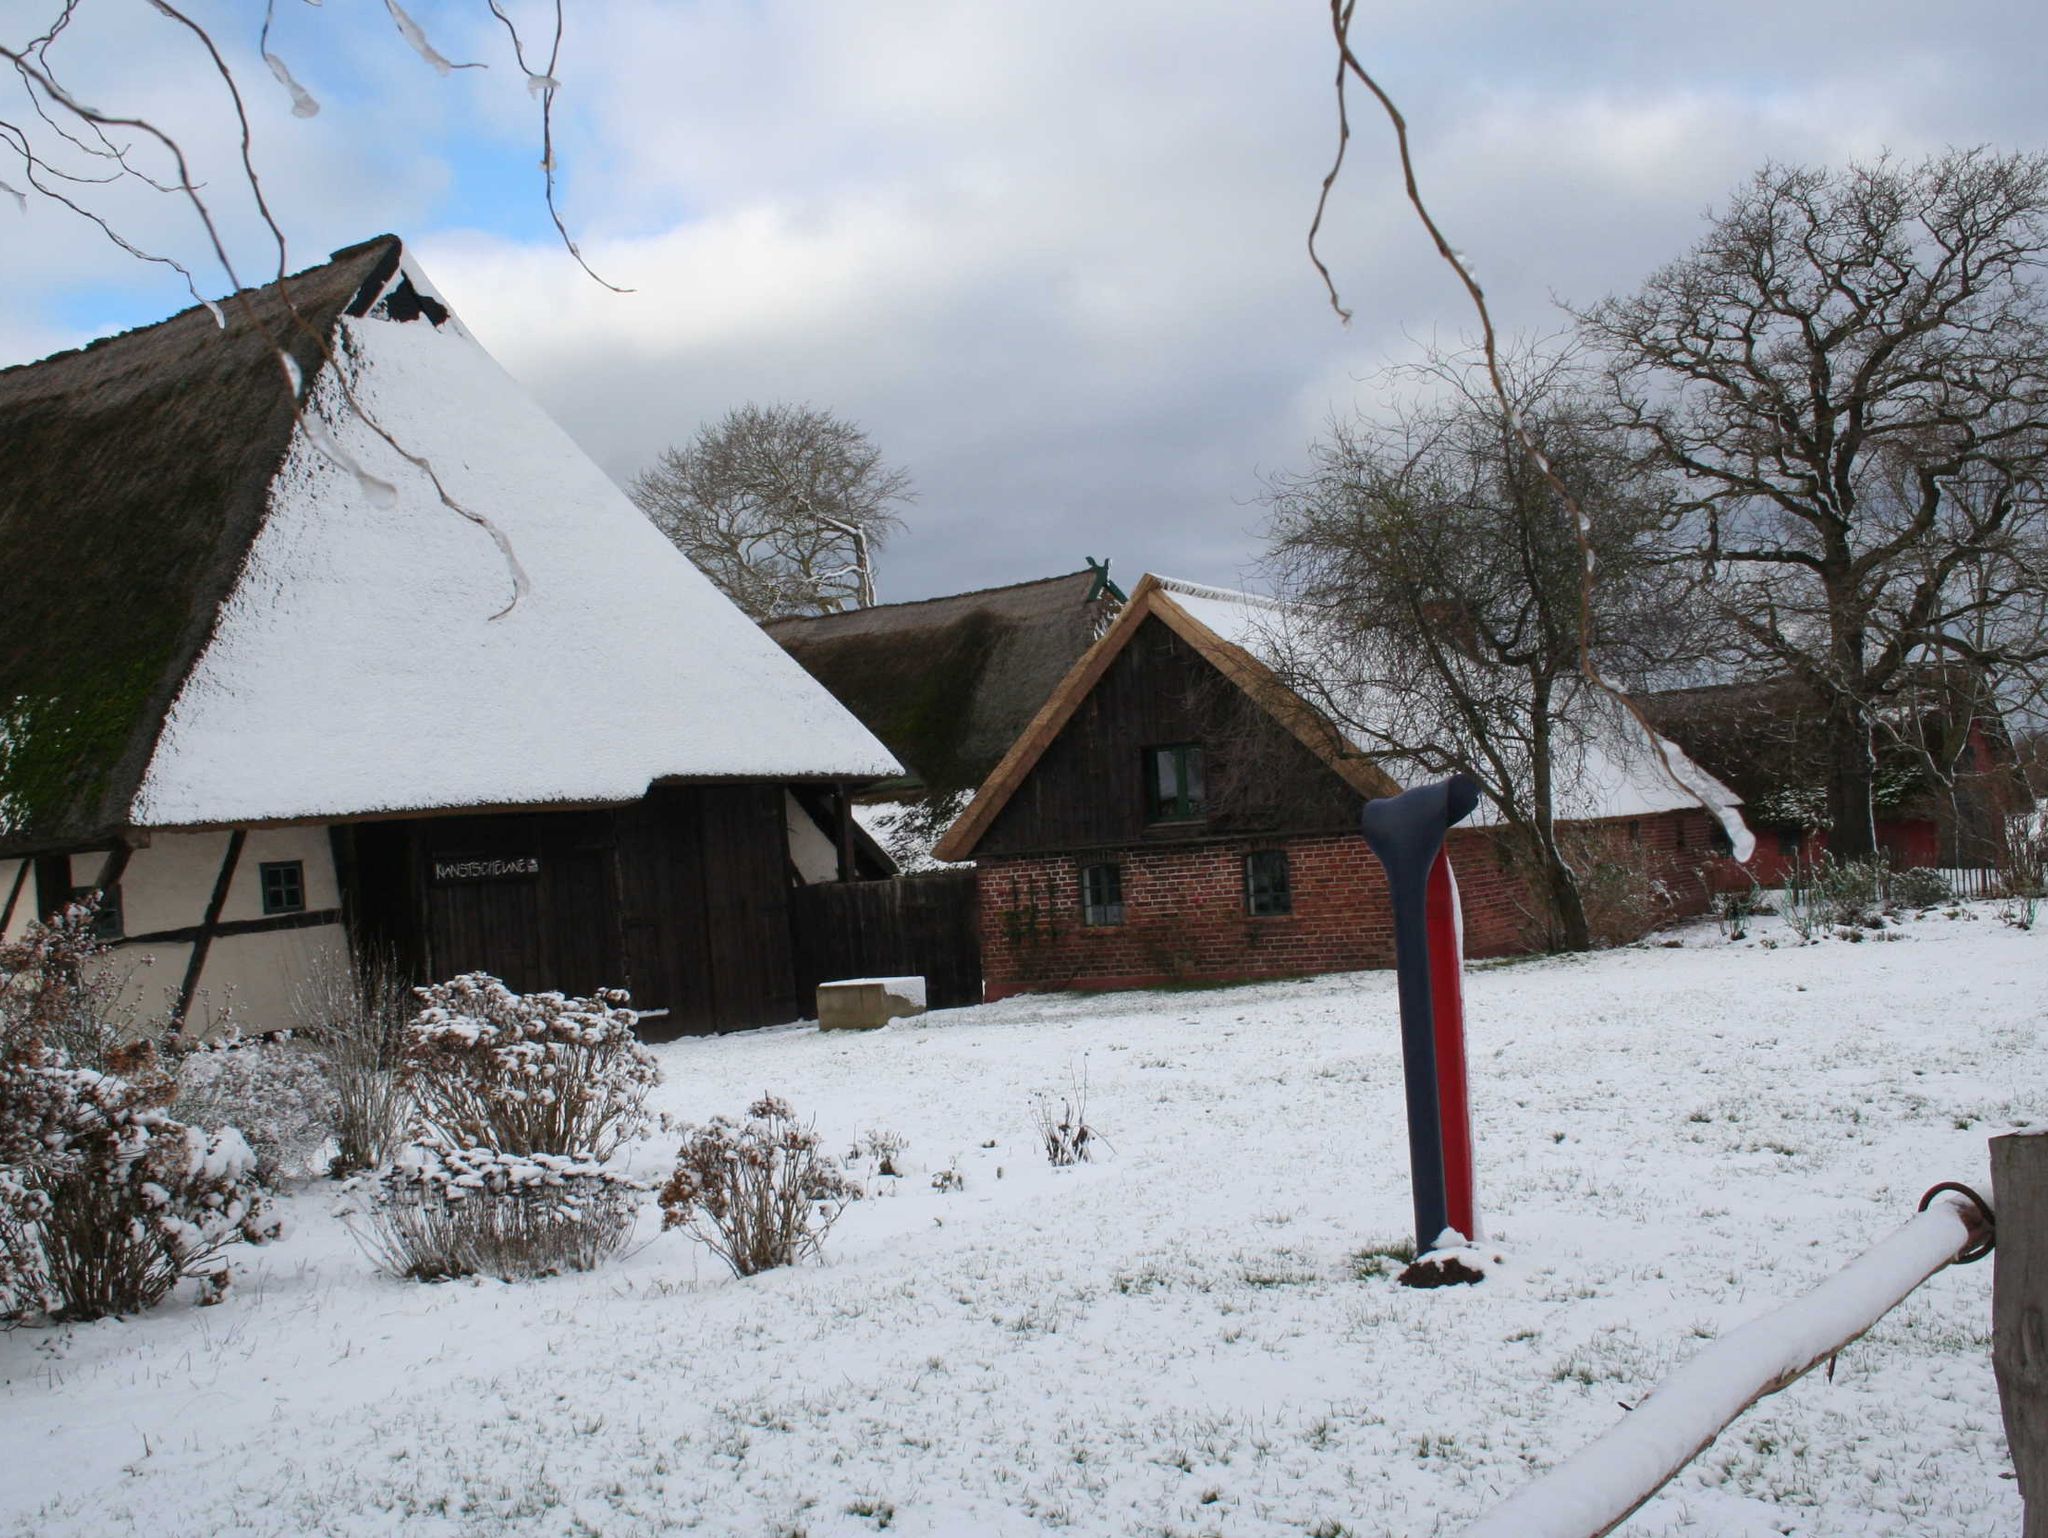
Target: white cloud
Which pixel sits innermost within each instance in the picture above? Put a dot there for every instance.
(1052, 256)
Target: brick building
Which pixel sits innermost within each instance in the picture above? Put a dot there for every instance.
(1175, 813)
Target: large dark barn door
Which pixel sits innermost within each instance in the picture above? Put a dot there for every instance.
(530, 899)
(706, 920)
(682, 898)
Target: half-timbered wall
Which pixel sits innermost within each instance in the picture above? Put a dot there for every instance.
(254, 963)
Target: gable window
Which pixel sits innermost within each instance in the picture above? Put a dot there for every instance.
(1267, 890)
(1102, 894)
(1173, 781)
(284, 886)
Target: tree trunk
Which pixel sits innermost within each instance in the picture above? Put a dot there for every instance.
(1561, 882)
(1567, 903)
(1852, 834)
(1851, 771)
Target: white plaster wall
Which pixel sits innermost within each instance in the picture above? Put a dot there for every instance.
(813, 854)
(254, 980)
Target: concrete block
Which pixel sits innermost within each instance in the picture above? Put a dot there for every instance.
(864, 1003)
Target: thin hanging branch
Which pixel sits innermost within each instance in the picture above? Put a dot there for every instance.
(544, 83)
(87, 130)
(1349, 68)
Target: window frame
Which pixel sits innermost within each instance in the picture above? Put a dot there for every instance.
(109, 922)
(1107, 914)
(1184, 807)
(293, 871)
(1285, 890)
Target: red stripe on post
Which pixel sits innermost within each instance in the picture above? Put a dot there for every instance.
(1454, 1108)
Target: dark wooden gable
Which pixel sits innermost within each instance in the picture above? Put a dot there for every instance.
(1087, 790)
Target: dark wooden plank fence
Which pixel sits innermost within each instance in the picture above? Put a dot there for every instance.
(921, 925)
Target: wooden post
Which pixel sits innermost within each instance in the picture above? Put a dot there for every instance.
(847, 867)
(2019, 1312)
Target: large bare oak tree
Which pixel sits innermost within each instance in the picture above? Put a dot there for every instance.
(784, 507)
(1849, 376)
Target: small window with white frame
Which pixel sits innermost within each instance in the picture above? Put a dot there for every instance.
(1268, 890)
(1102, 894)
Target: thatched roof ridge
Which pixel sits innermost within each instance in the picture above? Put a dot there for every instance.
(133, 474)
(949, 683)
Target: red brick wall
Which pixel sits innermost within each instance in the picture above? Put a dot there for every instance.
(1184, 918)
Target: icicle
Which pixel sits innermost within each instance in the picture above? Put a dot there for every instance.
(410, 31)
(20, 197)
(220, 316)
(540, 85)
(292, 374)
(303, 104)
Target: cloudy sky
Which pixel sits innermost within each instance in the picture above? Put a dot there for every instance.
(1050, 255)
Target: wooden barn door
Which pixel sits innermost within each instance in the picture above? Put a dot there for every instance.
(529, 899)
(705, 893)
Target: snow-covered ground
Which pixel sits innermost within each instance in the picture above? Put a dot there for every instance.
(1176, 1340)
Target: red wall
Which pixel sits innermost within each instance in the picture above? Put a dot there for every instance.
(1903, 841)
(1184, 918)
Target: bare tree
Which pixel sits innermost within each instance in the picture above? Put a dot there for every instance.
(1434, 580)
(784, 507)
(1849, 373)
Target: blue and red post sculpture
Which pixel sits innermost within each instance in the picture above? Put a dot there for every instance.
(1407, 833)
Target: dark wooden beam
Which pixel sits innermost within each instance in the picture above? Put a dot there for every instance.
(53, 884)
(202, 938)
(312, 918)
(14, 895)
(848, 870)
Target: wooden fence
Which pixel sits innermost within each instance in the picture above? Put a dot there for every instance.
(1595, 1490)
(921, 925)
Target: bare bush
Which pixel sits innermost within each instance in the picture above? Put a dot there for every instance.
(356, 1016)
(274, 1090)
(758, 1193)
(1063, 1129)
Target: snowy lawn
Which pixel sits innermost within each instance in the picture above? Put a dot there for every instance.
(1180, 1339)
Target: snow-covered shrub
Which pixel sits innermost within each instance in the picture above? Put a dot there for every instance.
(106, 1199)
(515, 1102)
(275, 1091)
(758, 1192)
(355, 1016)
(1918, 887)
(441, 1213)
(525, 1073)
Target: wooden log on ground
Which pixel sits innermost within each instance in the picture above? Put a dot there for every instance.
(2019, 1312)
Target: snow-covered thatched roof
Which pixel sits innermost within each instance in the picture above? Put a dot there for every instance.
(949, 683)
(218, 612)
